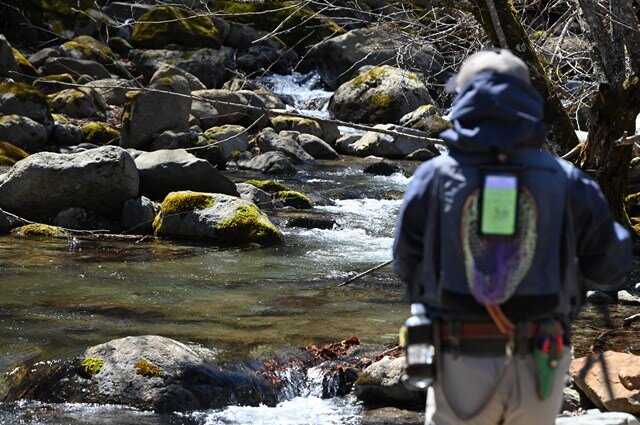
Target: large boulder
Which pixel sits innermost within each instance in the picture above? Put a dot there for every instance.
(165, 25)
(43, 184)
(226, 112)
(339, 57)
(388, 146)
(213, 67)
(22, 99)
(268, 163)
(380, 384)
(149, 113)
(81, 102)
(165, 171)
(217, 218)
(23, 132)
(382, 94)
(268, 140)
(610, 380)
(75, 67)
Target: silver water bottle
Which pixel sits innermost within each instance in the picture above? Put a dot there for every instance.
(417, 339)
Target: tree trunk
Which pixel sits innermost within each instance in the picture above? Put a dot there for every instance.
(562, 136)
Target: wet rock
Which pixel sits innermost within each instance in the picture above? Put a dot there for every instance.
(598, 377)
(595, 417)
(268, 163)
(137, 215)
(339, 57)
(271, 100)
(316, 147)
(387, 146)
(23, 132)
(380, 95)
(75, 67)
(170, 70)
(45, 183)
(380, 384)
(294, 199)
(167, 171)
(82, 102)
(66, 134)
(224, 113)
(213, 67)
(629, 297)
(392, 416)
(312, 222)
(113, 90)
(268, 140)
(150, 113)
(250, 193)
(230, 138)
(22, 99)
(599, 297)
(87, 48)
(217, 218)
(383, 168)
(426, 118)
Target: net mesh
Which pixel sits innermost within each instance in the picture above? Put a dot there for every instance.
(496, 266)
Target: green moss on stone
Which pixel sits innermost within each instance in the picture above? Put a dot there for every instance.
(146, 369)
(40, 230)
(382, 100)
(24, 66)
(249, 225)
(10, 154)
(63, 78)
(371, 77)
(268, 185)
(181, 202)
(173, 25)
(22, 91)
(90, 49)
(294, 199)
(98, 133)
(91, 366)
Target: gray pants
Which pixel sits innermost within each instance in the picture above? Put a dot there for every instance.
(493, 390)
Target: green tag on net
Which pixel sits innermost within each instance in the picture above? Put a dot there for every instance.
(499, 205)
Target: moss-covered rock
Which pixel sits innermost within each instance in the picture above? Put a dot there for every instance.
(302, 125)
(268, 185)
(10, 154)
(291, 198)
(173, 25)
(24, 66)
(40, 230)
(98, 133)
(24, 100)
(87, 47)
(250, 225)
(426, 118)
(146, 369)
(57, 16)
(82, 102)
(91, 366)
(50, 84)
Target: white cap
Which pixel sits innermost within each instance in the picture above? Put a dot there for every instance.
(498, 60)
(418, 309)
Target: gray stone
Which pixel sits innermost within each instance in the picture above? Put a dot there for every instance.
(268, 140)
(75, 67)
(598, 297)
(150, 113)
(165, 171)
(378, 96)
(170, 70)
(268, 163)
(23, 132)
(339, 57)
(426, 118)
(137, 215)
(82, 147)
(422, 154)
(629, 297)
(570, 400)
(43, 184)
(346, 144)
(383, 168)
(82, 102)
(38, 58)
(66, 134)
(237, 84)
(21, 99)
(392, 416)
(119, 45)
(301, 125)
(175, 140)
(241, 36)
(230, 138)
(76, 218)
(596, 417)
(316, 147)
(387, 146)
(113, 90)
(250, 193)
(8, 65)
(225, 110)
(380, 384)
(271, 100)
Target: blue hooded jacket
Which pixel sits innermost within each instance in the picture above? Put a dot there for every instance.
(498, 113)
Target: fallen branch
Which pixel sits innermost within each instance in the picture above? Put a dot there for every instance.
(358, 276)
(626, 323)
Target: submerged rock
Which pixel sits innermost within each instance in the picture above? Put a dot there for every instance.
(217, 218)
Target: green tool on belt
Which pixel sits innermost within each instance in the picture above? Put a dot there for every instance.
(547, 355)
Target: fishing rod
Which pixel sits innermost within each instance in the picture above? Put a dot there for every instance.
(364, 273)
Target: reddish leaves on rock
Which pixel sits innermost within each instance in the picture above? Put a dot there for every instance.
(333, 350)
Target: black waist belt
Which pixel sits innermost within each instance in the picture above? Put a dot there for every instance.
(493, 347)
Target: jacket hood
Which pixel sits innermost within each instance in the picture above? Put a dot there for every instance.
(496, 112)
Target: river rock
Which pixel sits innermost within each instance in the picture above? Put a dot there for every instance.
(95, 23)
(120, 46)
(5, 223)
(176, 140)
(346, 144)
(380, 384)
(316, 147)
(426, 118)
(268, 163)
(137, 215)
(80, 219)
(149, 113)
(23, 132)
(66, 134)
(268, 140)
(87, 48)
(301, 125)
(82, 102)
(167, 171)
(241, 36)
(383, 168)
(8, 65)
(339, 57)
(222, 110)
(213, 67)
(75, 67)
(387, 146)
(599, 297)
(38, 58)
(379, 95)
(122, 11)
(217, 218)
(45, 183)
(22, 99)
(113, 90)
(51, 84)
(392, 416)
(596, 417)
(259, 58)
(231, 138)
(170, 70)
(629, 297)
(598, 377)
(250, 193)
